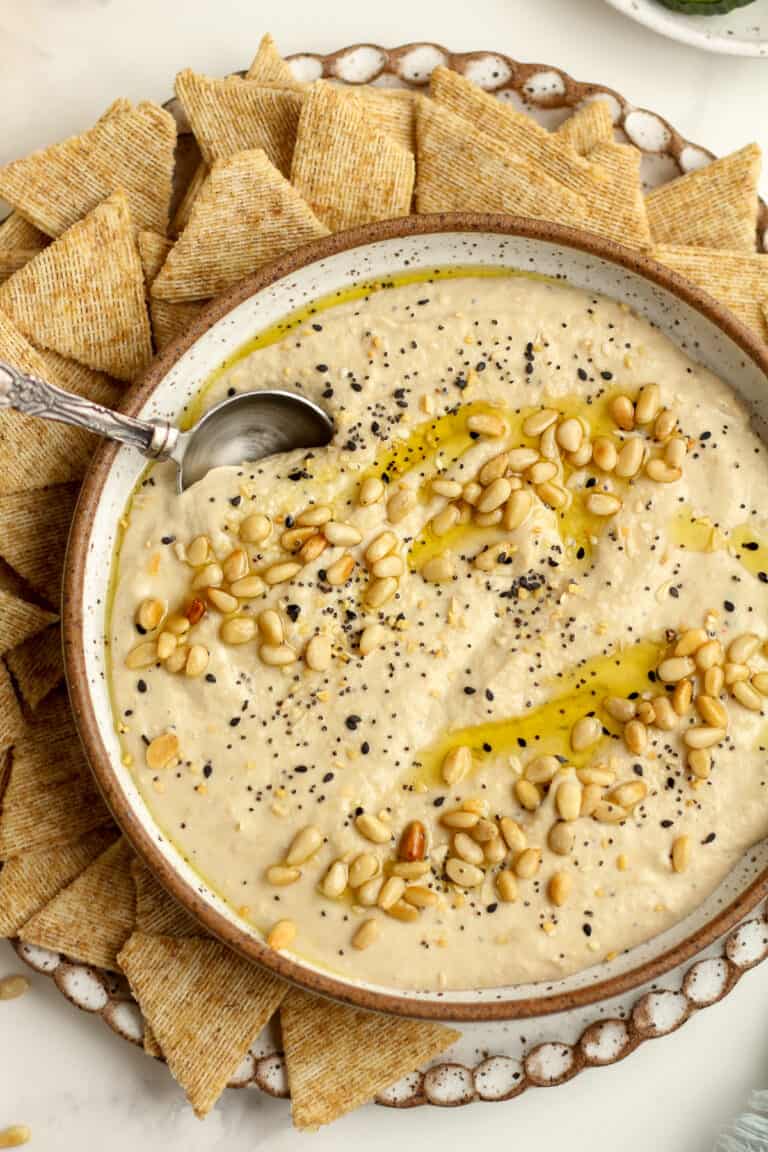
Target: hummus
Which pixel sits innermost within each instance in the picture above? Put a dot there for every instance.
(474, 695)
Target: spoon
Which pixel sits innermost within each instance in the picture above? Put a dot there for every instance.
(242, 428)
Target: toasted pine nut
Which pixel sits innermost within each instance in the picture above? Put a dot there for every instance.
(682, 696)
(681, 853)
(539, 421)
(314, 516)
(317, 654)
(210, 576)
(177, 624)
(371, 491)
(312, 548)
(391, 891)
(700, 762)
(197, 660)
(380, 592)
(446, 519)
(661, 473)
(236, 565)
(527, 863)
(294, 538)
(166, 644)
(646, 712)
(471, 493)
(591, 796)
(372, 828)
(675, 668)
(496, 494)
(15, 1136)
(665, 716)
(760, 683)
(238, 630)
(457, 818)
(552, 495)
(457, 764)
(249, 588)
(410, 869)
(709, 654)
(636, 736)
(142, 656)
(493, 469)
(602, 504)
(335, 880)
(506, 886)
(675, 452)
(622, 412)
(703, 736)
(630, 458)
(548, 446)
(12, 987)
(665, 424)
(341, 535)
(513, 835)
(256, 528)
(198, 551)
(690, 641)
(368, 893)
(607, 813)
(420, 896)
(488, 519)
(466, 848)
(517, 509)
(648, 404)
(521, 459)
(541, 769)
(484, 831)
(366, 934)
(400, 504)
(390, 566)
(486, 424)
(408, 913)
(177, 660)
(732, 673)
(619, 708)
(282, 935)
(604, 453)
(413, 842)
(371, 637)
(712, 711)
(277, 655)
(340, 571)
(162, 750)
(596, 774)
(582, 457)
(585, 732)
(714, 680)
(222, 600)
(747, 696)
(437, 570)
(541, 472)
(528, 795)
(305, 844)
(464, 874)
(450, 489)
(279, 573)
(561, 838)
(280, 875)
(381, 546)
(150, 614)
(559, 888)
(271, 626)
(568, 800)
(494, 851)
(362, 869)
(569, 434)
(743, 648)
(629, 794)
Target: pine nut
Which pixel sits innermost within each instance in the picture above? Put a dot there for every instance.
(177, 660)
(446, 519)
(496, 494)
(195, 611)
(282, 935)
(561, 838)
(400, 504)
(413, 841)
(506, 886)
(714, 680)
(646, 712)
(548, 444)
(648, 404)
(513, 835)
(366, 934)
(391, 891)
(340, 571)
(222, 601)
(660, 472)
(410, 869)
(629, 794)
(607, 813)
(142, 656)
(236, 565)
(703, 737)
(419, 896)
(471, 493)
(317, 654)
(630, 458)
(700, 762)
(604, 453)
(747, 696)
(450, 489)
(271, 626)
(208, 577)
(294, 538)
(493, 469)
(280, 876)
(585, 732)
(596, 774)
(368, 893)
(305, 844)
(277, 655)
(198, 551)
(15, 1136)
(437, 570)
(197, 660)
(486, 424)
(636, 736)
(681, 853)
(249, 588)
(590, 798)
(622, 412)
(389, 566)
(484, 831)
(494, 851)
(760, 683)
(12, 987)
(381, 546)
(238, 630)
(541, 769)
(517, 509)
(675, 668)
(166, 645)
(371, 491)
(256, 528)
(569, 434)
(341, 535)
(539, 421)
(541, 472)
(457, 764)
(665, 716)
(177, 624)
(682, 696)
(568, 800)
(380, 592)
(150, 614)
(458, 818)
(488, 519)
(552, 495)
(312, 548)
(559, 888)
(709, 654)
(527, 863)
(314, 516)
(371, 637)
(619, 708)
(603, 504)
(581, 458)
(362, 869)
(665, 424)
(403, 911)
(464, 874)
(712, 711)
(465, 847)
(675, 452)
(279, 573)
(743, 648)
(372, 828)
(528, 795)
(335, 880)
(690, 642)
(732, 673)
(162, 750)
(521, 459)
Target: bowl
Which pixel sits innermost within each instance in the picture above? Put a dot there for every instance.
(709, 333)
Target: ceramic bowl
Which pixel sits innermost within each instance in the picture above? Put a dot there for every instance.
(691, 319)
(742, 32)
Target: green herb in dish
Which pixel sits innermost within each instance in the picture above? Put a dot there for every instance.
(705, 7)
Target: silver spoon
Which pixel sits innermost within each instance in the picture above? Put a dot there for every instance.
(243, 428)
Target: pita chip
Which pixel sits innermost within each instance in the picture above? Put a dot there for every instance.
(34, 525)
(235, 115)
(514, 134)
(338, 1057)
(268, 66)
(590, 125)
(246, 214)
(83, 296)
(712, 207)
(391, 111)
(169, 319)
(347, 173)
(204, 1005)
(16, 232)
(92, 917)
(737, 279)
(11, 723)
(458, 168)
(157, 913)
(37, 666)
(19, 620)
(29, 882)
(184, 207)
(617, 209)
(128, 148)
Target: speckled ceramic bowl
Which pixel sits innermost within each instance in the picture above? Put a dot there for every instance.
(699, 324)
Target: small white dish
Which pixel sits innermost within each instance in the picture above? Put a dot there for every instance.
(742, 32)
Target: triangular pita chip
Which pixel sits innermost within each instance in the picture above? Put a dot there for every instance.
(37, 666)
(91, 919)
(29, 882)
(205, 1007)
(129, 148)
(33, 535)
(737, 279)
(348, 173)
(234, 115)
(84, 295)
(169, 319)
(514, 134)
(389, 110)
(337, 1057)
(245, 215)
(617, 209)
(19, 620)
(590, 125)
(36, 453)
(459, 169)
(712, 207)
(16, 232)
(11, 724)
(268, 66)
(184, 207)
(157, 913)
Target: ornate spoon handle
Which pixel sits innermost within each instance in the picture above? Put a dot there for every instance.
(34, 397)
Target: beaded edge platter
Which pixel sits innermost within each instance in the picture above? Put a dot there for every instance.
(491, 1062)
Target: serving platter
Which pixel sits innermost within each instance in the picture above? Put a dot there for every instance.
(742, 32)
(496, 1061)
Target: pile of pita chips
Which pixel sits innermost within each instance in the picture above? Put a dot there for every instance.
(268, 66)
(590, 125)
(33, 533)
(712, 207)
(37, 666)
(19, 620)
(169, 319)
(157, 914)
(619, 213)
(738, 280)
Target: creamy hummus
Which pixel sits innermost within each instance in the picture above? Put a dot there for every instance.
(355, 746)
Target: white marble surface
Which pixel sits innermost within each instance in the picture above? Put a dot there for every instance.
(76, 1084)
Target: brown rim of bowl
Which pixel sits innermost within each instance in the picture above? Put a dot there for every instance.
(140, 836)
